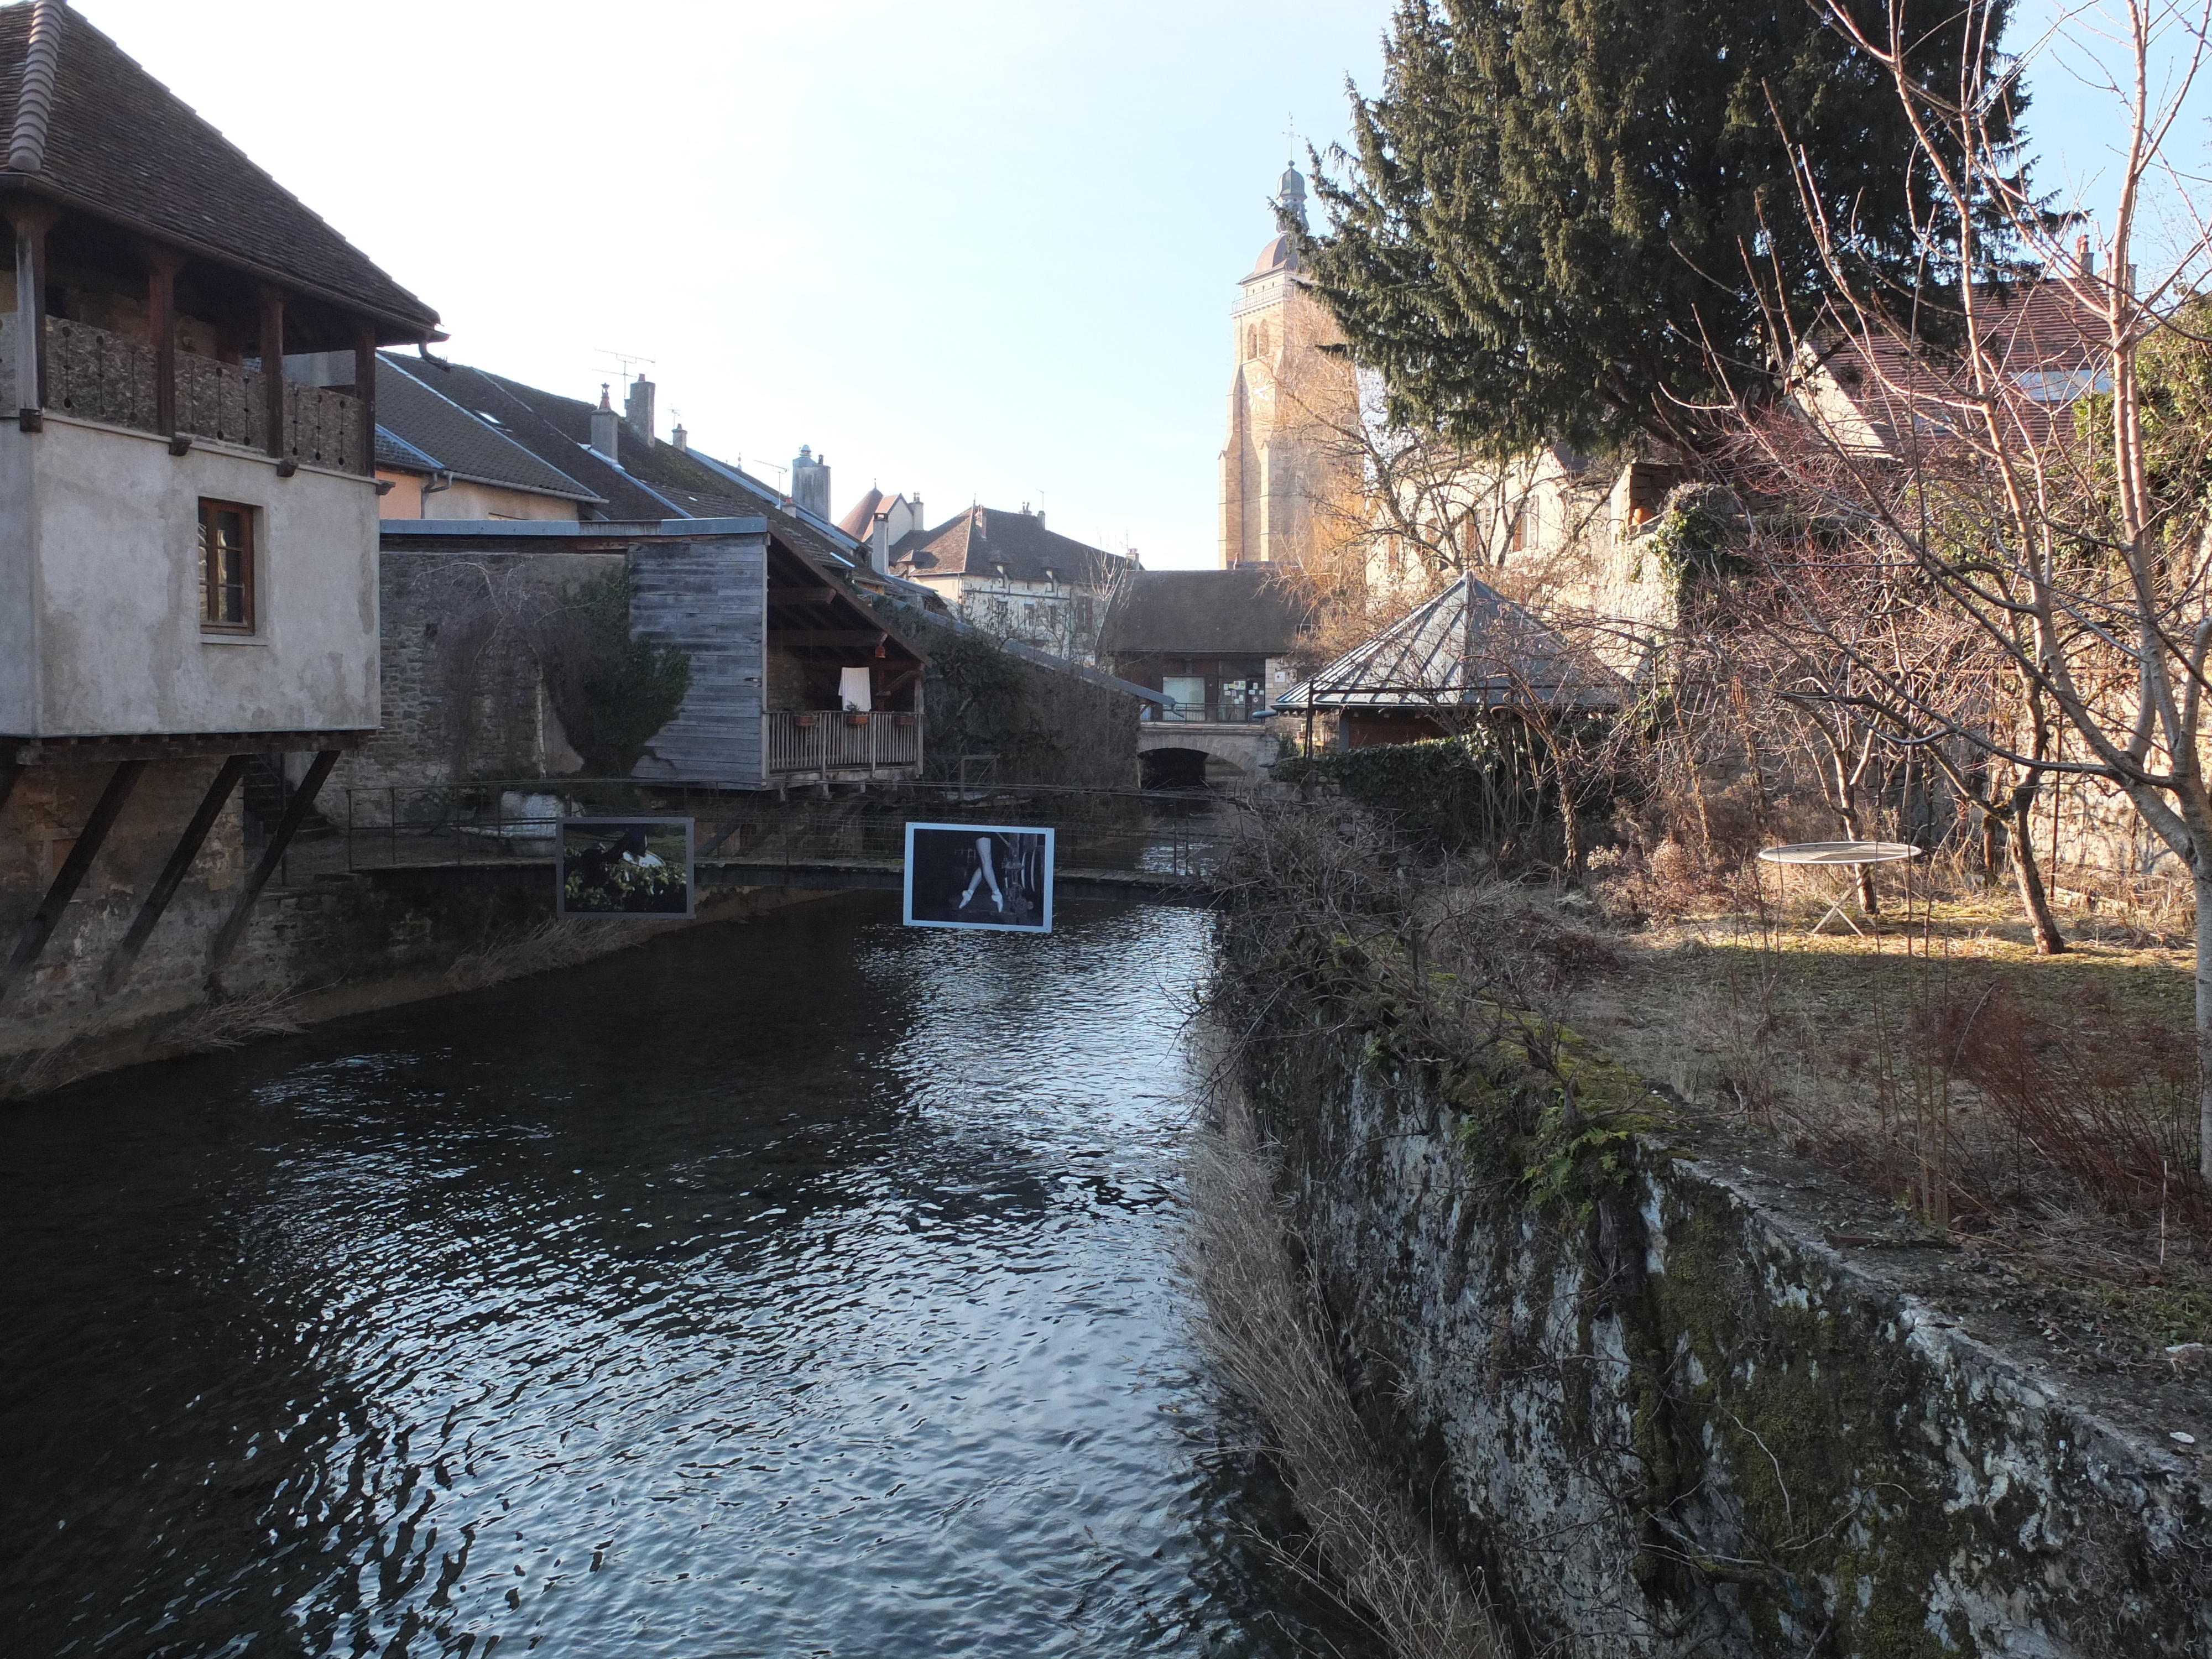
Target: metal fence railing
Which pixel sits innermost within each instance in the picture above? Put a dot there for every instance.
(410, 826)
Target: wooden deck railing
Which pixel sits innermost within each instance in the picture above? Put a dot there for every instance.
(826, 740)
(97, 374)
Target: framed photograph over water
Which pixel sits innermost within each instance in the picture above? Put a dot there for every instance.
(994, 876)
(624, 867)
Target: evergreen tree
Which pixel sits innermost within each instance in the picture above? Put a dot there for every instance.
(1561, 212)
(612, 691)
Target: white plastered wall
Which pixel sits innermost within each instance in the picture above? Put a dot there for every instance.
(99, 631)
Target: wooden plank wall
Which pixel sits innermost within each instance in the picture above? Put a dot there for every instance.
(708, 595)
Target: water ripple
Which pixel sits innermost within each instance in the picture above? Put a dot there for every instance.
(799, 1287)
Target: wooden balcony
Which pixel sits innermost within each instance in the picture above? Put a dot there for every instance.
(821, 744)
(96, 374)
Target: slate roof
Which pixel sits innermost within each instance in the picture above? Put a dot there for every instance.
(454, 438)
(1469, 645)
(981, 539)
(89, 129)
(648, 480)
(1243, 611)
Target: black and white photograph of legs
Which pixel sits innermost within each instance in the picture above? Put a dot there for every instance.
(979, 875)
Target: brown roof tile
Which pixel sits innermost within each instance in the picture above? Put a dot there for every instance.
(113, 141)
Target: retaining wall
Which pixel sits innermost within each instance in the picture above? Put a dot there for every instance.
(1705, 1416)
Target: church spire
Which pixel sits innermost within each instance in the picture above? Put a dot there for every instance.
(1291, 201)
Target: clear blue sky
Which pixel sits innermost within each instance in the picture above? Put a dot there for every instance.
(977, 249)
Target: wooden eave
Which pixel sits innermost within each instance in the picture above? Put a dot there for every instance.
(402, 330)
(806, 600)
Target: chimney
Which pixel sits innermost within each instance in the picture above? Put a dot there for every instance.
(606, 428)
(879, 545)
(810, 483)
(2084, 261)
(680, 438)
(638, 405)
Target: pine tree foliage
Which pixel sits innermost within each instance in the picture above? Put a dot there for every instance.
(1562, 213)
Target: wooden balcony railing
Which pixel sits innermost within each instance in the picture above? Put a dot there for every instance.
(826, 740)
(97, 374)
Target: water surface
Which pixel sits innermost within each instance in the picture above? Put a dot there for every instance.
(794, 1287)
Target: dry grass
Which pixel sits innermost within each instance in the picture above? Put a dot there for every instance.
(1262, 1322)
(560, 943)
(2041, 1109)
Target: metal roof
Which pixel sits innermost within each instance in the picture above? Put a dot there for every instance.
(1467, 645)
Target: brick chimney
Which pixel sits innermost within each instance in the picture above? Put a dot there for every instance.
(637, 405)
(680, 438)
(606, 428)
(2084, 261)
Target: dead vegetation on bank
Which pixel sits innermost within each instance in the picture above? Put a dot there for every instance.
(2037, 1111)
(1260, 1322)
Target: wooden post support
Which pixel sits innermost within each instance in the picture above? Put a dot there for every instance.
(161, 267)
(364, 388)
(41, 927)
(296, 811)
(31, 219)
(173, 874)
(272, 366)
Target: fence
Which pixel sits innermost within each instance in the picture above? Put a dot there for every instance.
(1230, 710)
(830, 740)
(403, 827)
(97, 374)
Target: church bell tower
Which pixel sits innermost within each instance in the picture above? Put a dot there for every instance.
(1289, 466)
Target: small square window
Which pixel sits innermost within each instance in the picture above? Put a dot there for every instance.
(226, 573)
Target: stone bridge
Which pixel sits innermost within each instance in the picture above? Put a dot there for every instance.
(1180, 754)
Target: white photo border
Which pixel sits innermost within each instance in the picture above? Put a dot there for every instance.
(1043, 924)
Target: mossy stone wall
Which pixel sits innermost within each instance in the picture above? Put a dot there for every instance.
(1690, 1419)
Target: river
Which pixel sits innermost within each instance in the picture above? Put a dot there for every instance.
(791, 1287)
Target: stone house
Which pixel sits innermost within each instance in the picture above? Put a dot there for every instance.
(1008, 575)
(188, 515)
(1218, 646)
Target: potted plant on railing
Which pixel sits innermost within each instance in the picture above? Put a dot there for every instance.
(804, 723)
(856, 717)
(906, 719)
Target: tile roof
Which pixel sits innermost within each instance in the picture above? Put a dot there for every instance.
(91, 130)
(1245, 610)
(861, 520)
(467, 443)
(982, 540)
(1881, 393)
(1469, 645)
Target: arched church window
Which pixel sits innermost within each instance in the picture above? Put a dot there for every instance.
(1251, 343)
(1263, 342)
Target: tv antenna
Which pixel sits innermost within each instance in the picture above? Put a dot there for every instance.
(625, 361)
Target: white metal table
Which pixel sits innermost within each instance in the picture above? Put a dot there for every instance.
(1840, 854)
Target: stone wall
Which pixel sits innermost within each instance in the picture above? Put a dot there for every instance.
(324, 941)
(462, 694)
(1722, 1411)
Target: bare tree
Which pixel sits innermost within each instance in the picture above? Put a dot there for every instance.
(1999, 474)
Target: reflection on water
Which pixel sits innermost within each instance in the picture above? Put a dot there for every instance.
(798, 1287)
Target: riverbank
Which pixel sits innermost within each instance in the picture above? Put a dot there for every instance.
(318, 951)
(1675, 1389)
